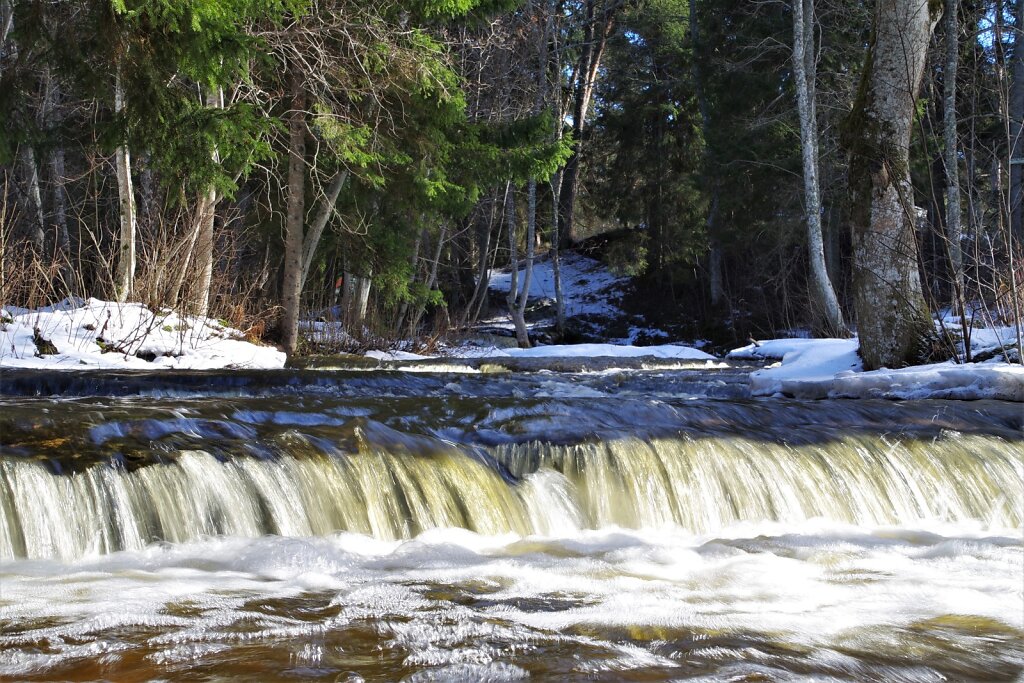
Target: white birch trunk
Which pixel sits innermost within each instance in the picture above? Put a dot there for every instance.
(556, 256)
(951, 161)
(124, 276)
(363, 299)
(513, 256)
(556, 181)
(805, 71)
(519, 316)
(206, 214)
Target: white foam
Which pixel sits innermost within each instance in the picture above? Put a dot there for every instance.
(807, 584)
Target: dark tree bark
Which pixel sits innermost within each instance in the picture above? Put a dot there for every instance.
(295, 216)
(1017, 128)
(894, 322)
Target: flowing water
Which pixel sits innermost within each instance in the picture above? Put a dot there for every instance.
(471, 523)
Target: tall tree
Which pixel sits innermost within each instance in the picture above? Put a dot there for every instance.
(597, 21)
(951, 157)
(805, 69)
(1017, 124)
(296, 211)
(716, 285)
(893, 320)
(124, 275)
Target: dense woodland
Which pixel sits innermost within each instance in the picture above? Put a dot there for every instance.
(760, 165)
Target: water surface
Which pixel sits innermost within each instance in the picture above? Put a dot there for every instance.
(611, 525)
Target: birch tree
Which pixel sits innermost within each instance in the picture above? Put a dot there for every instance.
(893, 320)
(805, 66)
(124, 275)
(951, 158)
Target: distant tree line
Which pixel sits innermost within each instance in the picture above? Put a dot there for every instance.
(768, 165)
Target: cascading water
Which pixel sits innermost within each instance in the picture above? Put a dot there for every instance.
(702, 485)
(443, 527)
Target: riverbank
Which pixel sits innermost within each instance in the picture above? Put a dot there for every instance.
(100, 335)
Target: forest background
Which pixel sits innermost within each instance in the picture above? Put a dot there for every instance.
(758, 166)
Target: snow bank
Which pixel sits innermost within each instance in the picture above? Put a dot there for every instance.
(831, 368)
(104, 334)
(940, 380)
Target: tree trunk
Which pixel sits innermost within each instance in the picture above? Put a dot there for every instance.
(556, 180)
(518, 319)
(414, 262)
(431, 279)
(124, 276)
(1017, 128)
(295, 217)
(556, 257)
(206, 213)
(805, 71)
(363, 297)
(58, 178)
(316, 229)
(36, 233)
(951, 161)
(49, 120)
(349, 295)
(717, 284)
(894, 323)
(596, 30)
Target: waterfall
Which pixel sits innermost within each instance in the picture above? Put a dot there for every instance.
(392, 491)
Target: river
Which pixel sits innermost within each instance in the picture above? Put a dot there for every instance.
(489, 523)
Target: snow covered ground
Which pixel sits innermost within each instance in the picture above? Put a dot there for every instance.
(591, 290)
(831, 368)
(99, 334)
(103, 334)
(589, 287)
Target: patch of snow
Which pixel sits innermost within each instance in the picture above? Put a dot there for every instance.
(1000, 381)
(776, 349)
(103, 334)
(589, 287)
(831, 368)
(808, 365)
